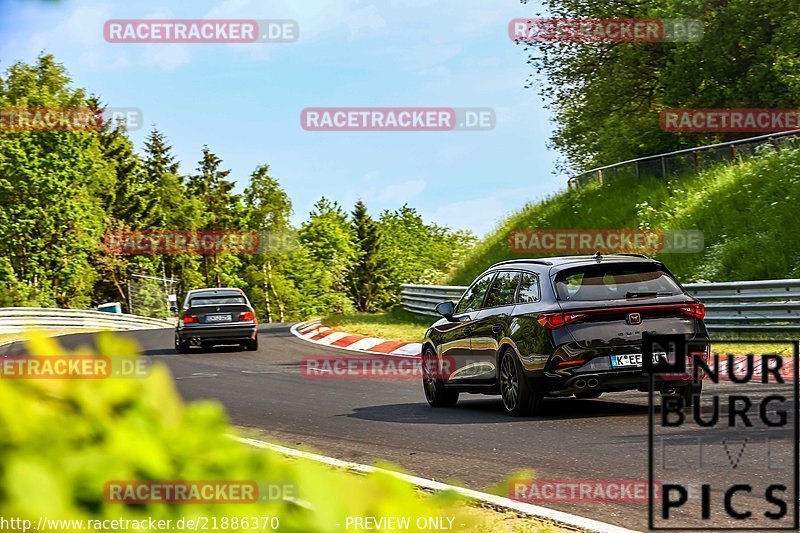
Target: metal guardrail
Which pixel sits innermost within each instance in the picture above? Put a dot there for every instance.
(760, 306)
(665, 166)
(15, 319)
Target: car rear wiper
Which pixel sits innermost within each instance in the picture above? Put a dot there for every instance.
(646, 294)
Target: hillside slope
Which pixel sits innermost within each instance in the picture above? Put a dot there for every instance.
(748, 212)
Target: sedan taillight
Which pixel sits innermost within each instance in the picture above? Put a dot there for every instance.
(558, 320)
(247, 315)
(189, 319)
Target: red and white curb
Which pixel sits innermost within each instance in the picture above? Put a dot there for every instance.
(317, 333)
(492, 500)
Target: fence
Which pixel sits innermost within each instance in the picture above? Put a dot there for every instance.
(665, 166)
(738, 306)
(15, 319)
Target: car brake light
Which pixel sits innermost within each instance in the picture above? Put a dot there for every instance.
(696, 310)
(189, 319)
(557, 320)
(247, 315)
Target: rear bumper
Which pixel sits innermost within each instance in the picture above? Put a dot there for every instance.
(613, 381)
(218, 332)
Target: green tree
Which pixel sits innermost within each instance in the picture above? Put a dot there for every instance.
(327, 239)
(268, 210)
(369, 276)
(607, 97)
(51, 221)
(171, 208)
(419, 252)
(221, 210)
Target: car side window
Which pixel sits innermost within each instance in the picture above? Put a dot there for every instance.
(473, 298)
(528, 289)
(503, 288)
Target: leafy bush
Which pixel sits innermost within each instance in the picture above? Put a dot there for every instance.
(62, 440)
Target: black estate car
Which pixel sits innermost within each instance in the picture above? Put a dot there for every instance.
(561, 326)
(216, 316)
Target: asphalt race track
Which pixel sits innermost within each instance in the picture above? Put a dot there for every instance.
(475, 444)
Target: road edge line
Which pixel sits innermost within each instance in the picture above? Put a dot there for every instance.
(544, 513)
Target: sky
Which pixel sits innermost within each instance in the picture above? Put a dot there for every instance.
(245, 100)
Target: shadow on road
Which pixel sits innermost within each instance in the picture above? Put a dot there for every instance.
(490, 411)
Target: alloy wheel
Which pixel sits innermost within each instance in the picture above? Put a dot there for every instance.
(509, 383)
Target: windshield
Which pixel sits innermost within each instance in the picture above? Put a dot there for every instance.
(615, 282)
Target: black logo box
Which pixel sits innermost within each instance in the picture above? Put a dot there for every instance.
(681, 344)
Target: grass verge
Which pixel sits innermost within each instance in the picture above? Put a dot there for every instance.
(397, 324)
(745, 211)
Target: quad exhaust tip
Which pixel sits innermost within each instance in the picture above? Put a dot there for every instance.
(581, 384)
(194, 341)
(592, 383)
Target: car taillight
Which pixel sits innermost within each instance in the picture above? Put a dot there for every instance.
(189, 319)
(697, 310)
(247, 315)
(558, 320)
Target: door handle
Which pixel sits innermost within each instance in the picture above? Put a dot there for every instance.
(497, 328)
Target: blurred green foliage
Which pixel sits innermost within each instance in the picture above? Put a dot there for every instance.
(62, 440)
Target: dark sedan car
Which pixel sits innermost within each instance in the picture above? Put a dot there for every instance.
(216, 316)
(561, 326)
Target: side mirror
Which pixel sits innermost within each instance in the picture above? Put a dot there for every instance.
(446, 309)
(173, 310)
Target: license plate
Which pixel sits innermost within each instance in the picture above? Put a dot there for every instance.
(218, 318)
(634, 359)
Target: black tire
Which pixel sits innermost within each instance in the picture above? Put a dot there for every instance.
(589, 394)
(519, 396)
(688, 393)
(251, 345)
(181, 346)
(433, 385)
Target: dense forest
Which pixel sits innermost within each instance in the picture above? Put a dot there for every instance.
(61, 191)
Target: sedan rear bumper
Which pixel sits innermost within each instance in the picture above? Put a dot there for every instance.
(218, 332)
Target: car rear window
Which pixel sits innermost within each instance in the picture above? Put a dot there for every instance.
(218, 300)
(614, 282)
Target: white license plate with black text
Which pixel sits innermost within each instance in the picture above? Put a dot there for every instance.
(634, 359)
(219, 318)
